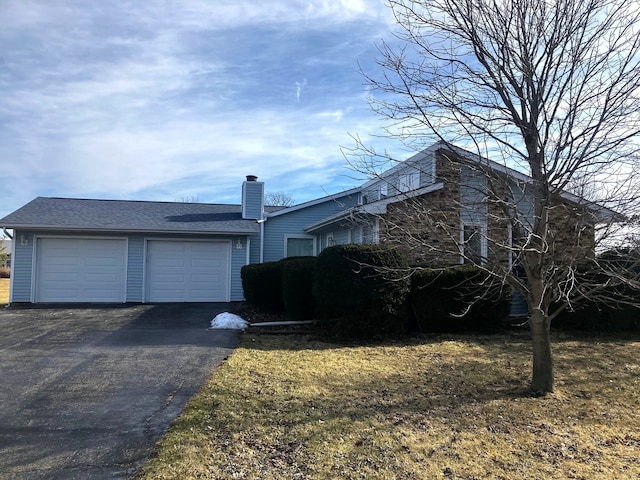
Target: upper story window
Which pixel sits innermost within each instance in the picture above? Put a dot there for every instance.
(408, 181)
(474, 245)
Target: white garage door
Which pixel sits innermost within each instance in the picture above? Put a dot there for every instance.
(81, 270)
(187, 271)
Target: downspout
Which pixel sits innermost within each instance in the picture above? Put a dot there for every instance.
(7, 233)
(261, 222)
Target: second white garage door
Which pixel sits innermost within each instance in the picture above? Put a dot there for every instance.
(187, 271)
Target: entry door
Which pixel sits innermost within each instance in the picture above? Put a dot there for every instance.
(188, 271)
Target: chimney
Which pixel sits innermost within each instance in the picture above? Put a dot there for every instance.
(252, 198)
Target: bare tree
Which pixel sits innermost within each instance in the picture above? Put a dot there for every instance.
(545, 88)
(278, 199)
(188, 199)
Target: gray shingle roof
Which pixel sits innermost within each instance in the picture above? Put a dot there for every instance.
(130, 216)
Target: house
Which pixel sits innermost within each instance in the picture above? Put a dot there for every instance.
(114, 251)
(5, 253)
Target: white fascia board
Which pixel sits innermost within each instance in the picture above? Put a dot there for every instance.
(329, 220)
(401, 164)
(378, 207)
(312, 203)
(602, 213)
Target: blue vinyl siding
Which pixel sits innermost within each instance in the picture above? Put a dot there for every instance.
(394, 180)
(252, 200)
(254, 249)
(22, 266)
(473, 193)
(238, 260)
(294, 223)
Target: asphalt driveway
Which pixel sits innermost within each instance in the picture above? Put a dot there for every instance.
(87, 392)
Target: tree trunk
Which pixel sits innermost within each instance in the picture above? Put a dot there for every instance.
(542, 379)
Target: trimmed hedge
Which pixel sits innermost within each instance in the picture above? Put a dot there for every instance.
(262, 284)
(361, 290)
(592, 317)
(439, 298)
(297, 283)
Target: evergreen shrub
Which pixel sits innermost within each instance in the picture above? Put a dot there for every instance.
(457, 299)
(297, 283)
(596, 316)
(262, 285)
(361, 290)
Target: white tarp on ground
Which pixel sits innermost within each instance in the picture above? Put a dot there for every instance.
(229, 321)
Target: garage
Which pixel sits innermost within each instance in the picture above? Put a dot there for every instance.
(80, 270)
(187, 271)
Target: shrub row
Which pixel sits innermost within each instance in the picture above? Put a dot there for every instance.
(365, 291)
(5, 272)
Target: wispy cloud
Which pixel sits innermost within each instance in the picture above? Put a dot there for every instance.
(160, 99)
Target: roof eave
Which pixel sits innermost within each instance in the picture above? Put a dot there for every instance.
(131, 230)
(379, 207)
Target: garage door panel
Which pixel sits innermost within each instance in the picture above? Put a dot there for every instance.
(187, 271)
(81, 270)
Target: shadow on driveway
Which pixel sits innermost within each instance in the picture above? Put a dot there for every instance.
(87, 391)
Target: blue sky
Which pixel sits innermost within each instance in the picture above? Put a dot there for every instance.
(162, 100)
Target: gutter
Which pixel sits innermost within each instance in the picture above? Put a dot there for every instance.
(4, 230)
(77, 229)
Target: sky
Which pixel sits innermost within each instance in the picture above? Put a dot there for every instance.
(181, 99)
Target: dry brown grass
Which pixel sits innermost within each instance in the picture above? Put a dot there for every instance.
(4, 291)
(448, 407)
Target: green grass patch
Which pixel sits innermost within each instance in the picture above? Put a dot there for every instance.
(448, 407)
(4, 290)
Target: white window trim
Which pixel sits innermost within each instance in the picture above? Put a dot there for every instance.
(407, 182)
(510, 243)
(286, 241)
(329, 242)
(375, 232)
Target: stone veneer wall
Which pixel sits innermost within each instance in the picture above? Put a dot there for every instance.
(428, 227)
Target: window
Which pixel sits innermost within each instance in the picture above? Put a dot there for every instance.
(383, 191)
(299, 247)
(473, 244)
(330, 241)
(408, 181)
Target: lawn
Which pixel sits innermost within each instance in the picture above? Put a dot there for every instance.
(4, 291)
(453, 407)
